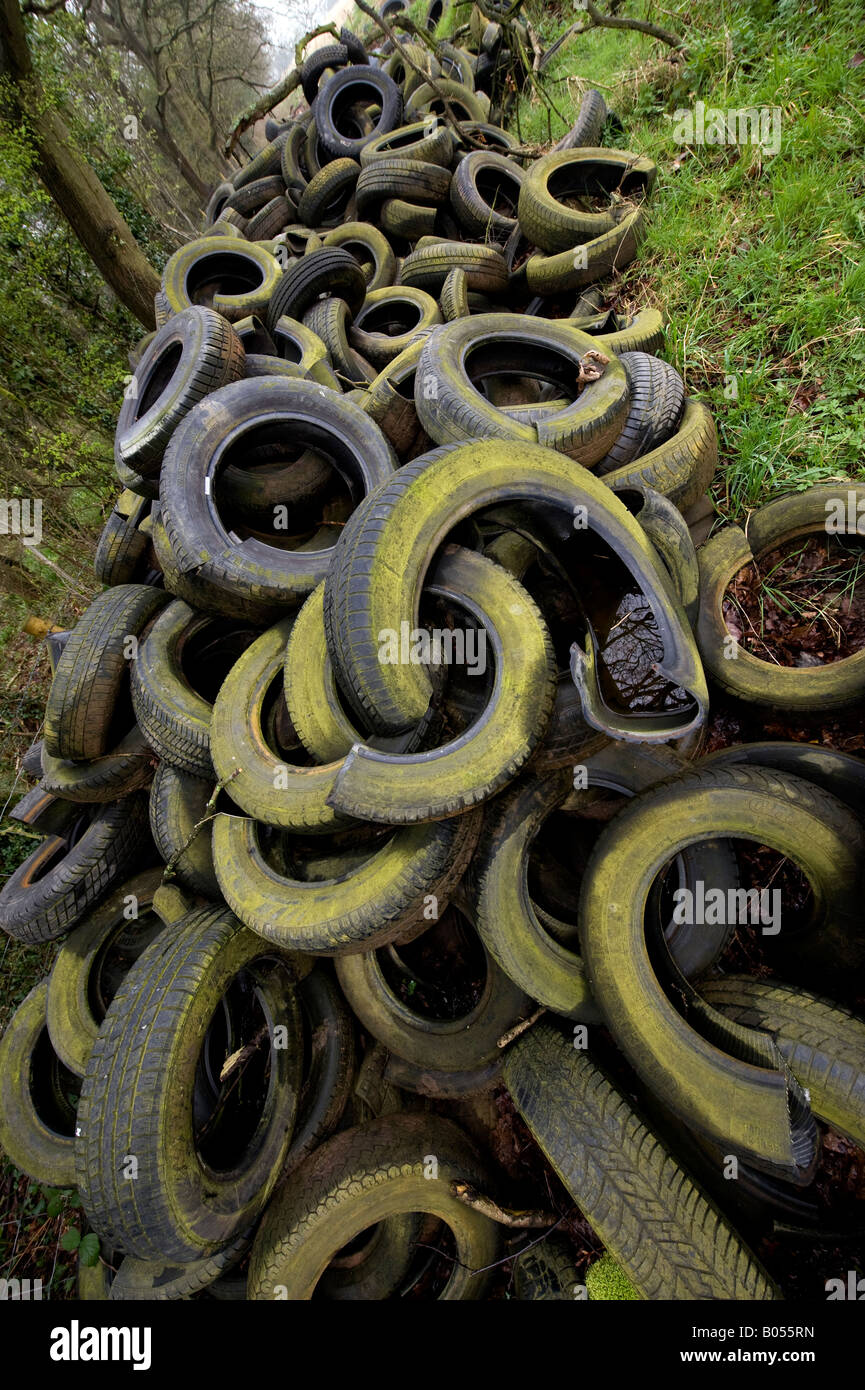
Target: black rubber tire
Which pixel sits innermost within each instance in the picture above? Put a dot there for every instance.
(657, 401)
(354, 87)
(331, 55)
(256, 194)
(124, 769)
(172, 715)
(83, 981)
(546, 1272)
(363, 1176)
(840, 774)
(122, 549)
(683, 467)
(329, 319)
(268, 161)
(195, 353)
(324, 200)
(330, 271)
(252, 578)
(137, 1096)
(671, 1241)
(738, 1091)
(331, 1064)
(272, 219)
(218, 199)
(58, 884)
(37, 1120)
(474, 209)
(178, 801)
(84, 704)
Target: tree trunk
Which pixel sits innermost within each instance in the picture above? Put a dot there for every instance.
(76, 190)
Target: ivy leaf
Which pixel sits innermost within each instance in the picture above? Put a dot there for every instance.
(88, 1250)
(70, 1239)
(55, 1203)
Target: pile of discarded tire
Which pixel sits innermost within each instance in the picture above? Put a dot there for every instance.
(324, 766)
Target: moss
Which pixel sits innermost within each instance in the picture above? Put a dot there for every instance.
(607, 1280)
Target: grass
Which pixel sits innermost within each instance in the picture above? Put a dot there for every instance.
(756, 260)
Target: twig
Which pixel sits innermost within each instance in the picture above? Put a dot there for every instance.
(209, 811)
(520, 1028)
(517, 1220)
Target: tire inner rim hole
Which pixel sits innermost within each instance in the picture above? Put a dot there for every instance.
(223, 273)
(233, 1081)
(158, 378)
(54, 1089)
(441, 974)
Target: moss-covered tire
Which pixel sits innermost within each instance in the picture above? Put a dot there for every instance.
(37, 1116)
(360, 1178)
(452, 409)
(197, 273)
(323, 202)
(154, 1089)
(157, 1281)
(538, 951)
(91, 962)
(410, 517)
(751, 1100)
(427, 267)
(400, 788)
(370, 248)
(414, 141)
(823, 1043)
(122, 770)
(797, 690)
(464, 1043)
(669, 1238)
(389, 320)
(548, 223)
(383, 896)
